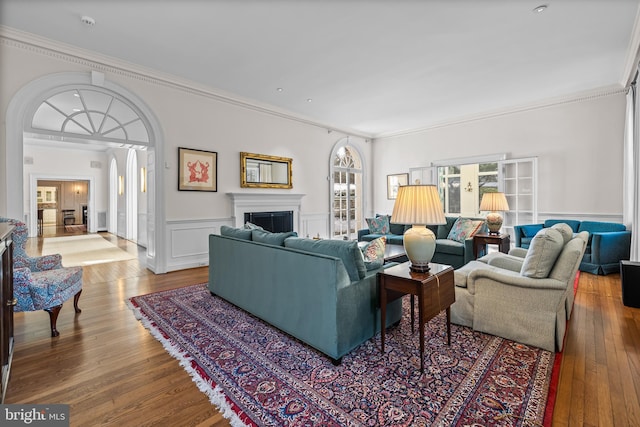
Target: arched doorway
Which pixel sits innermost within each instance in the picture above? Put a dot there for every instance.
(24, 108)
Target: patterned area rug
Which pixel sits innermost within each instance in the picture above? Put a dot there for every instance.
(259, 376)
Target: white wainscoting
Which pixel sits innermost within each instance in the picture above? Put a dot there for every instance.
(315, 224)
(188, 242)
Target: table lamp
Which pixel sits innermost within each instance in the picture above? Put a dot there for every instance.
(418, 205)
(494, 202)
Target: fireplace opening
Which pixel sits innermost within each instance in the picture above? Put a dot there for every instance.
(276, 222)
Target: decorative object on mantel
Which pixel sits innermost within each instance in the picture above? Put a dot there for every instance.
(197, 170)
(494, 202)
(419, 205)
(394, 182)
(263, 171)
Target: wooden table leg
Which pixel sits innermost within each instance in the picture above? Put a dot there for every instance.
(421, 326)
(412, 312)
(383, 310)
(449, 325)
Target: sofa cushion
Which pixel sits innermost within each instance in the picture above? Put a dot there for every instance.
(600, 226)
(379, 225)
(347, 250)
(238, 233)
(395, 239)
(373, 253)
(542, 253)
(530, 230)
(451, 247)
(463, 229)
(276, 239)
(564, 229)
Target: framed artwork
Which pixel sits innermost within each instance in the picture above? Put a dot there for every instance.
(395, 181)
(197, 170)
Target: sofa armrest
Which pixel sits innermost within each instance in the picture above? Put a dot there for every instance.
(511, 278)
(21, 289)
(507, 262)
(519, 232)
(363, 232)
(519, 252)
(468, 250)
(610, 247)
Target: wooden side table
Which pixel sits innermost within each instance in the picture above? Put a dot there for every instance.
(482, 240)
(435, 291)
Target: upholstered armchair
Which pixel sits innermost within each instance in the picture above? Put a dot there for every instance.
(527, 305)
(42, 283)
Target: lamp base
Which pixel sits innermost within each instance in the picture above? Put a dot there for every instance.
(419, 268)
(494, 222)
(420, 245)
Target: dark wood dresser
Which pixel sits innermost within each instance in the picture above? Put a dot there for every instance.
(7, 302)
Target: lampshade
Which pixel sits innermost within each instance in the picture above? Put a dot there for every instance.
(418, 205)
(494, 202)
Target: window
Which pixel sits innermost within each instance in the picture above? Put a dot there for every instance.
(346, 168)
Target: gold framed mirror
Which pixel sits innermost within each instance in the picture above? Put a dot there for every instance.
(262, 171)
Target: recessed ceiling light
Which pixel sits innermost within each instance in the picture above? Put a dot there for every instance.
(540, 8)
(279, 89)
(309, 99)
(76, 109)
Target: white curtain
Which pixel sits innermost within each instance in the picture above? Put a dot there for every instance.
(631, 184)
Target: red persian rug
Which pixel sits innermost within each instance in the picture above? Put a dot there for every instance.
(260, 376)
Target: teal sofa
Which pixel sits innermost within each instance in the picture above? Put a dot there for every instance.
(315, 290)
(448, 251)
(609, 242)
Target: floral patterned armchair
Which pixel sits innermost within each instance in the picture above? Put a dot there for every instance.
(42, 283)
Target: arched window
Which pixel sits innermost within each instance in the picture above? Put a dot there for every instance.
(347, 191)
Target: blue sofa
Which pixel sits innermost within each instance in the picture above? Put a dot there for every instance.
(608, 244)
(318, 291)
(450, 252)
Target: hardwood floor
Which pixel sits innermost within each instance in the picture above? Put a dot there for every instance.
(111, 371)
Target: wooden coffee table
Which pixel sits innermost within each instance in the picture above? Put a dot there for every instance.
(435, 291)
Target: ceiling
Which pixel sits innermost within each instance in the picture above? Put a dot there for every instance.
(376, 67)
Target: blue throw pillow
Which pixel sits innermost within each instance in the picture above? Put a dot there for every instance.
(238, 233)
(531, 230)
(378, 225)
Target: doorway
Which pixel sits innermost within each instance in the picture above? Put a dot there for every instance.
(62, 206)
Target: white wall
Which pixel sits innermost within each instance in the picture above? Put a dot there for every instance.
(197, 118)
(579, 146)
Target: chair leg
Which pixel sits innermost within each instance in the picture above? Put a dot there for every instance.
(76, 297)
(53, 318)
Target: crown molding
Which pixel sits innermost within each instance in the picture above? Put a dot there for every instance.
(633, 53)
(108, 64)
(549, 102)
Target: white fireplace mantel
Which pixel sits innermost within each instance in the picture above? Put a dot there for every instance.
(266, 202)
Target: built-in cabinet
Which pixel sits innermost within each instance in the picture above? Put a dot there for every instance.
(7, 302)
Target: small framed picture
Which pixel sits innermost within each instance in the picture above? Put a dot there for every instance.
(395, 181)
(197, 170)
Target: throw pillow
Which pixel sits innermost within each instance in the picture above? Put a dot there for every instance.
(373, 253)
(531, 230)
(276, 239)
(565, 230)
(238, 233)
(464, 228)
(250, 226)
(542, 254)
(378, 225)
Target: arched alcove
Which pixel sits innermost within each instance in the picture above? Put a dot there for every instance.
(26, 105)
